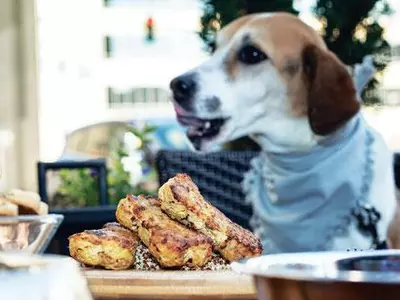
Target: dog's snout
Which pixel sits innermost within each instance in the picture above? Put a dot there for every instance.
(183, 87)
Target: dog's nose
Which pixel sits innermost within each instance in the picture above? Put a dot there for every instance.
(183, 87)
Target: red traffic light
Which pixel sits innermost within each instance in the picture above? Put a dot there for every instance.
(150, 22)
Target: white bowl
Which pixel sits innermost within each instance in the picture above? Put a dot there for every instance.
(47, 277)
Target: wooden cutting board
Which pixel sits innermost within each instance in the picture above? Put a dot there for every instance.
(175, 285)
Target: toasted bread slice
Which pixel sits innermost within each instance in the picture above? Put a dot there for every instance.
(180, 199)
(171, 243)
(8, 208)
(127, 214)
(29, 203)
(116, 227)
(112, 247)
(43, 209)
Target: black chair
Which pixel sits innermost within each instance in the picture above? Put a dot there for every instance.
(397, 169)
(218, 176)
(98, 164)
(77, 219)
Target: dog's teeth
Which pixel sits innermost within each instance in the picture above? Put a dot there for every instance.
(198, 133)
(194, 131)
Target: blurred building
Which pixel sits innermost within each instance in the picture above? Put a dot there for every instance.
(97, 63)
(390, 88)
(19, 147)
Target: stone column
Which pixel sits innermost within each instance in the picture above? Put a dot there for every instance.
(18, 94)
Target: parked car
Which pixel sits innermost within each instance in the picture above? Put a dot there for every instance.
(96, 140)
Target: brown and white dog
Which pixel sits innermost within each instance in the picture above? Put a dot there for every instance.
(273, 78)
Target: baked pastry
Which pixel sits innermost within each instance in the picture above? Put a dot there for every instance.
(127, 215)
(181, 200)
(43, 209)
(29, 203)
(112, 247)
(171, 243)
(7, 208)
(116, 227)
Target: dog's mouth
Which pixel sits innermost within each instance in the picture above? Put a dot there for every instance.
(205, 128)
(198, 129)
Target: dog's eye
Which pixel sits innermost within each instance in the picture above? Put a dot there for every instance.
(251, 55)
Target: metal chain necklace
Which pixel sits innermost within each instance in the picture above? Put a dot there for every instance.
(367, 216)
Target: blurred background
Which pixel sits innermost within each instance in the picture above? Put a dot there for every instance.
(88, 79)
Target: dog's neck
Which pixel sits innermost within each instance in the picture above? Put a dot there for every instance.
(310, 146)
(285, 135)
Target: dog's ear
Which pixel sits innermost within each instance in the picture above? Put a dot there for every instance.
(332, 98)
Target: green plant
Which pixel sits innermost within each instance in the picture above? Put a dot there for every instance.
(218, 13)
(351, 30)
(119, 179)
(79, 188)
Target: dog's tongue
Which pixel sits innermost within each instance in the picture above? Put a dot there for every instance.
(190, 121)
(179, 110)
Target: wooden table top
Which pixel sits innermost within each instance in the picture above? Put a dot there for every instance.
(131, 284)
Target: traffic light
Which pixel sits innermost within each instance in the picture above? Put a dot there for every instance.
(150, 29)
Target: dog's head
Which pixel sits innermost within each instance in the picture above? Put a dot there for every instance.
(271, 77)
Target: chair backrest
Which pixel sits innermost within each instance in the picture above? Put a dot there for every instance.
(397, 169)
(76, 219)
(218, 176)
(99, 165)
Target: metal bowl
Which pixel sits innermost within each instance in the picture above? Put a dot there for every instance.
(325, 275)
(26, 233)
